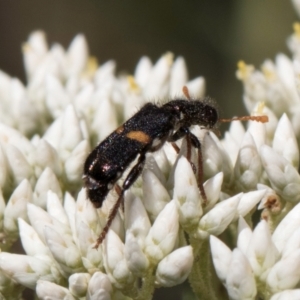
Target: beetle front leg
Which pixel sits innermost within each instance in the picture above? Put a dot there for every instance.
(194, 141)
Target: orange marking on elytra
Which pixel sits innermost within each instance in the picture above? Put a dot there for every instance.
(139, 136)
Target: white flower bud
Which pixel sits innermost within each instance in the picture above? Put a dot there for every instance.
(142, 71)
(47, 181)
(58, 55)
(284, 178)
(179, 77)
(63, 250)
(292, 244)
(33, 51)
(212, 189)
(232, 140)
(221, 256)
(137, 261)
(31, 242)
(158, 81)
(285, 273)
(73, 164)
(136, 218)
(47, 290)
(105, 73)
(289, 294)
(70, 209)
(10, 136)
(78, 284)
(163, 234)
(19, 165)
(85, 238)
(197, 87)
(271, 125)
(71, 134)
(16, 206)
(240, 282)
(115, 262)
(285, 142)
(258, 133)
(215, 158)
(23, 111)
(248, 202)
(155, 194)
(77, 55)
(285, 229)
(38, 219)
(262, 253)
(56, 96)
(186, 194)
(26, 270)
(175, 267)
(46, 156)
(105, 119)
(53, 133)
(55, 208)
(99, 287)
(286, 75)
(244, 235)
(158, 164)
(82, 101)
(217, 219)
(248, 167)
(86, 213)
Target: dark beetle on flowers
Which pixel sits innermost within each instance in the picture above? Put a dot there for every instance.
(146, 131)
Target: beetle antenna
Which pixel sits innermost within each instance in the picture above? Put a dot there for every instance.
(262, 119)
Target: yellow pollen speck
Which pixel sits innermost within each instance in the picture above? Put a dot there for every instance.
(241, 65)
(296, 27)
(139, 136)
(169, 56)
(26, 47)
(260, 108)
(134, 87)
(244, 71)
(91, 67)
(268, 73)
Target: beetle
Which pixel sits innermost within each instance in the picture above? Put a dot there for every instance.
(146, 131)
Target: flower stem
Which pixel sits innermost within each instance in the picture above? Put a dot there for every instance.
(147, 289)
(203, 279)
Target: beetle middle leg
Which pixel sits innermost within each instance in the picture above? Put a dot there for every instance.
(192, 140)
(130, 179)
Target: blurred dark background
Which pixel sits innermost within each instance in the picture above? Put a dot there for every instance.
(212, 35)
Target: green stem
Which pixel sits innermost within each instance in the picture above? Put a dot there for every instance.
(147, 289)
(203, 279)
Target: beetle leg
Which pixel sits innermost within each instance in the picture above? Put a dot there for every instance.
(194, 141)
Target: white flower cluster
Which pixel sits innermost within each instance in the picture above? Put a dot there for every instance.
(166, 233)
(265, 262)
